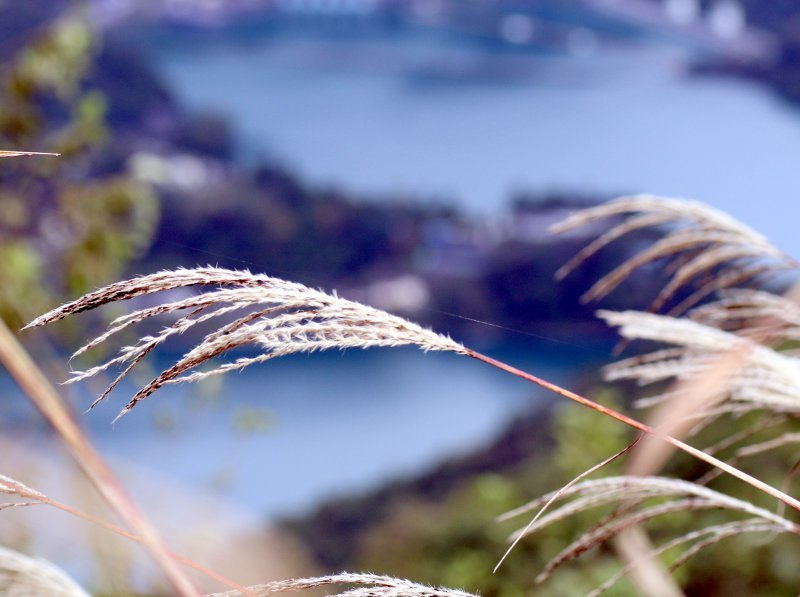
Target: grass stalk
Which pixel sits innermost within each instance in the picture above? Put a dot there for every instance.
(12, 487)
(5, 153)
(44, 397)
(699, 454)
(521, 535)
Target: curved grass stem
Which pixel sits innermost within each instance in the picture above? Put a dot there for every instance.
(699, 454)
(39, 391)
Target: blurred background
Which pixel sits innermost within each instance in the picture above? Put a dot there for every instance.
(411, 155)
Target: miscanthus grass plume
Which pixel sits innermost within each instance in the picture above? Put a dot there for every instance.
(364, 585)
(21, 575)
(719, 360)
(281, 318)
(699, 240)
(767, 379)
(5, 153)
(704, 251)
(744, 310)
(638, 500)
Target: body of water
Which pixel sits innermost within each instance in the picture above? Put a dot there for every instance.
(391, 116)
(280, 438)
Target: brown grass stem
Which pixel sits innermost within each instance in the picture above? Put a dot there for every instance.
(557, 495)
(645, 570)
(707, 458)
(15, 154)
(40, 499)
(44, 397)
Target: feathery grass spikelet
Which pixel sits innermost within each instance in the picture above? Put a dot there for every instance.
(699, 539)
(702, 237)
(754, 378)
(11, 486)
(741, 309)
(767, 379)
(371, 585)
(599, 492)
(636, 493)
(5, 153)
(21, 575)
(280, 318)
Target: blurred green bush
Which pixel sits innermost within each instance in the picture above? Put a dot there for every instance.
(66, 224)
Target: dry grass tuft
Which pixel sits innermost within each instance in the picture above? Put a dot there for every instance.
(718, 362)
(370, 585)
(636, 496)
(767, 380)
(19, 490)
(700, 240)
(21, 576)
(282, 318)
(4, 153)
(747, 311)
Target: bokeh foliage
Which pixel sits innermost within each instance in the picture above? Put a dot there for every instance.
(67, 224)
(455, 541)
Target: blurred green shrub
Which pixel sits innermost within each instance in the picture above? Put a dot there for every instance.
(455, 541)
(65, 226)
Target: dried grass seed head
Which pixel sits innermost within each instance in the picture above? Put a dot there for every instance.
(706, 238)
(275, 316)
(367, 585)
(635, 495)
(766, 380)
(739, 310)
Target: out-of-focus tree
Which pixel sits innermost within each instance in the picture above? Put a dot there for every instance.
(66, 224)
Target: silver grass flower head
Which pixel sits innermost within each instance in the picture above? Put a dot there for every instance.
(707, 237)
(276, 316)
(598, 492)
(767, 378)
(23, 575)
(367, 585)
(13, 487)
(637, 493)
(740, 309)
(670, 208)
